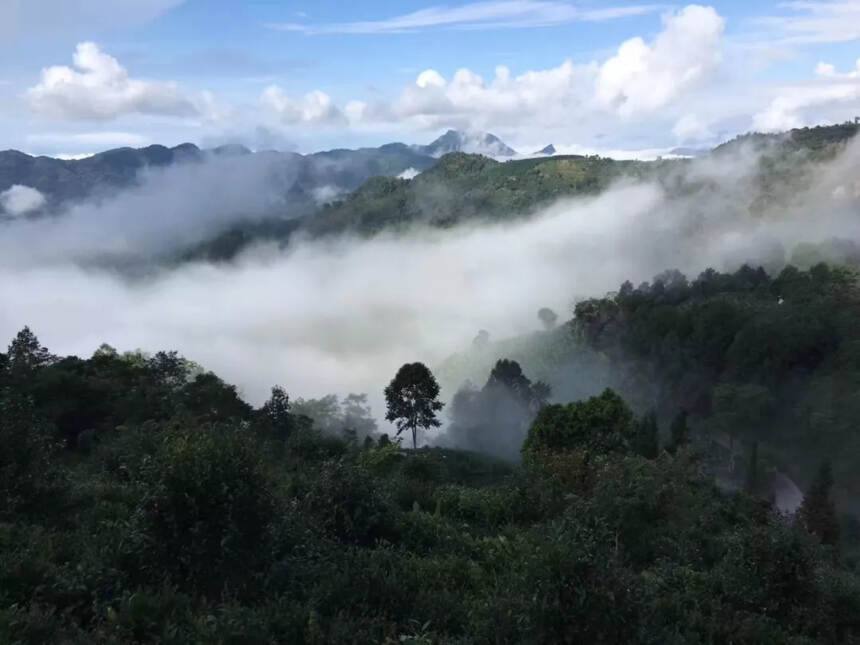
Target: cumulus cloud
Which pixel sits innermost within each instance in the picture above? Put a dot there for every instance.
(314, 108)
(547, 95)
(20, 200)
(495, 14)
(98, 88)
(641, 77)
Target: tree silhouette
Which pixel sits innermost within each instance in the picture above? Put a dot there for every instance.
(26, 354)
(548, 317)
(411, 398)
(679, 432)
(817, 511)
(645, 442)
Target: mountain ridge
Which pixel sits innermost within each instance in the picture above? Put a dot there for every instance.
(335, 171)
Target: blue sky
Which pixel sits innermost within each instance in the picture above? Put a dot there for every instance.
(588, 76)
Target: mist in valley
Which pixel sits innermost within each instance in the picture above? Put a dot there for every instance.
(341, 314)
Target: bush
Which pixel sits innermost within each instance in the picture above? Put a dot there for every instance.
(205, 509)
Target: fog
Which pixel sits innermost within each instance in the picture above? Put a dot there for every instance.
(168, 210)
(342, 315)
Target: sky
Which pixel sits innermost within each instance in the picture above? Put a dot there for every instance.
(80, 76)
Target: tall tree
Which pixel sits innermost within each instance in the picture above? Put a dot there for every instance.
(645, 442)
(412, 399)
(817, 511)
(276, 413)
(26, 354)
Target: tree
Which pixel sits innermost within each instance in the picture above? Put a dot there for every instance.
(548, 317)
(26, 354)
(817, 512)
(601, 424)
(412, 401)
(645, 443)
(276, 413)
(679, 432)
(357, 415)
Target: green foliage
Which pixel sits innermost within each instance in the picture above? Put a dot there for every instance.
(602, 424)
(189, 518)
(204, 509)
(411, 398)
(28, 470)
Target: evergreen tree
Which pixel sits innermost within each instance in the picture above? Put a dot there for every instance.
(817, 512)
(276, 413)
(26, 354)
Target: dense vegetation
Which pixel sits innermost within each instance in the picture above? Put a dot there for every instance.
(757, 360)
(468, 188)
(144, 501)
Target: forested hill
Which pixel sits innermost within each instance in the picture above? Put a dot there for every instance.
(461, 187)
(823, 138)
(465, 187)
(143, 501)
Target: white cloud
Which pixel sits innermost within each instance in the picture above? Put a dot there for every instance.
(548, 95)
(499, 14)
(20, 200)
(409, 173)
(98, 88)
(815, 22)
(689, 128)
(314, 108)
(803, 104)
(326, 194)
(642, 78)
(828, 70)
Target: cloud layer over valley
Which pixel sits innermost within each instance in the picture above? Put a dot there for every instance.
(343, 314)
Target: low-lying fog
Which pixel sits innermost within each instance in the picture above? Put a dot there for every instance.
(341, 316)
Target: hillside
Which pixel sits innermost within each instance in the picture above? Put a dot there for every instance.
(305, 180)
(144, 501)
(466, 188)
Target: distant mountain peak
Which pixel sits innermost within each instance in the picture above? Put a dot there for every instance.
(548, 151)
(482, 143)
(231, 150)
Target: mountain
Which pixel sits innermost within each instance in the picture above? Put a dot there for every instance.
(459, 187)
(306, 179)
(548, 151)
(480, 143)
(68, 180)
